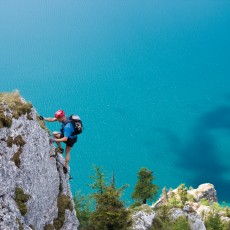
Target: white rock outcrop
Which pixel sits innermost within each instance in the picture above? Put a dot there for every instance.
(25, 164)
(206, 191)
(142, 220)
(193, 211)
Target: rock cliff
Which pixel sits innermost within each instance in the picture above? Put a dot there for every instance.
(34, 191)
(199, 203)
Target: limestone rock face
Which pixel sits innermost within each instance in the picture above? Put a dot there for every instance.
(206, 191)
(142, 220)
(193, 218)
(192, 210)
(32, 184)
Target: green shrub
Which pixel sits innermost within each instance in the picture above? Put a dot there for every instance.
(15, 104)
(18, 140)
(16, 158)
(226, 225)
(83, 209)
(20, 227)
(216, 207)
(5, 121)
(63, 203)
(181, 223)
(204, 201)
(161, 221)
(213, 222)
(182, 191)
(9, 142)
(21, 198)
(110, 212)
(49, 227)
(227, 212)
(190, 197)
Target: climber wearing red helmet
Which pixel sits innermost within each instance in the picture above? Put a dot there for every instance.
(66, 135)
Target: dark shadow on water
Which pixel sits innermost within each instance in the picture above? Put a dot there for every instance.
(199, 154)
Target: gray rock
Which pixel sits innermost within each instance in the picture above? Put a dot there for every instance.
(38, 175)
(142, 219)
(193, 218)
(206, 191)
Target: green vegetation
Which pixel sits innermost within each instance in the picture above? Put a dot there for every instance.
(83, 207)
(162, 221)
(5, 121)
(213, 222)
(18, 140)
(21, 198)
(181, 223)
(178, 198)
(49, 227)
(12, 101)
(9, 142)
(16, 158)
(145, 189)
(174, 201)
(182, 191)
(20, 227)
(42, 124)
(109, 212)
(63, 203)
(204, 202)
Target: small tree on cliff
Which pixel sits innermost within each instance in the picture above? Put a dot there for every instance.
(145, 189)
(110, 212)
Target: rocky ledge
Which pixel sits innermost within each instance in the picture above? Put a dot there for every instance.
(34, 191)
(194, 205)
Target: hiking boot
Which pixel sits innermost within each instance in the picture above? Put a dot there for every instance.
(59, 150)
(65, 170)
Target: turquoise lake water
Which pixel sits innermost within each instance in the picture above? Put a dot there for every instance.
(150, 80)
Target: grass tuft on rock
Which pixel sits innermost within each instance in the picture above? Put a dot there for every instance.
(21, 198)
(16, 158)
(63, 203)
(12, 101)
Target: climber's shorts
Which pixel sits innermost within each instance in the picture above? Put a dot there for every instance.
(70, 141)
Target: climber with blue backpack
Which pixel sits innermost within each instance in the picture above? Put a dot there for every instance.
(70, 128)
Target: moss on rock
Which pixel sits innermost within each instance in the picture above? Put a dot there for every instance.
(21, 198)
(16, 158)
(63, 203)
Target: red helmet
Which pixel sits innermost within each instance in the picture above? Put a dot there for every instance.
(59, 114)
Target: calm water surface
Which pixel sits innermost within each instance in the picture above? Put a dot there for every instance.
(149, 79)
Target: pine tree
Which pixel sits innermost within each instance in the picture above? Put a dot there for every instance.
(99, 181)
(110, 213)
(145, 189)
(83, 210)
(182, 191)
(164, 195)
